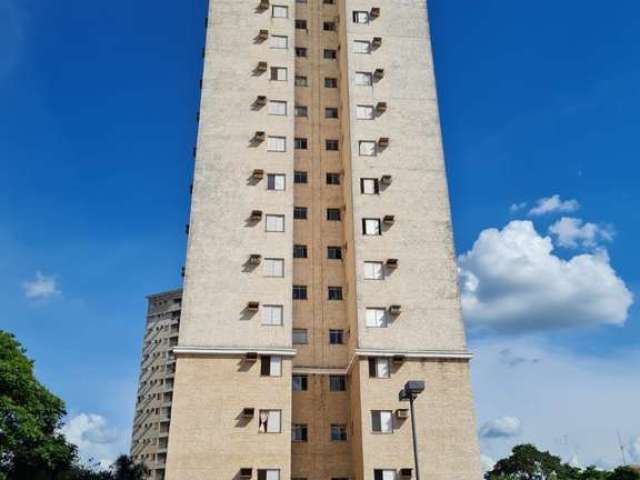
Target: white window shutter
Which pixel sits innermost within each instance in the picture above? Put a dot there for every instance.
(279, 182)
(389, 475)
(364, 112)
(367, 148)
(382, 367)
(279, 41)
(273, 425)
(276, 366)
(275, 475)
(386, 420)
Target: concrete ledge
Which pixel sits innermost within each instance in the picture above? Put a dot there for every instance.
(219, 351)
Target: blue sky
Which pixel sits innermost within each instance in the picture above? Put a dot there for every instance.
(97, 109)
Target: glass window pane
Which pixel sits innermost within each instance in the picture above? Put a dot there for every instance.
(364, 112)
(279, 41)
(382, 367)
(367, 148)
(276, 370)
(277, 107)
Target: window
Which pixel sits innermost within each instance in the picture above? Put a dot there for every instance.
(299, 383)
(361, 46)
(273, 267)
(373, 271)
(299, 251)
(330, 54)
(274, 223)
(329, 26)
(300, 176)
(333, 214)
(299, 432)
(277, 144)
(371, 226)
(301, 111)
(279, 74)
(337, 383)
(376, 317)
(300, 337)
(334, 293)
(299, 292)
(301, 52)
(300, 143)
(334, 253)
(364, 78)
(360, 17)
(280, 11)
(269, 421)
(273, 475)
(364, 112)
(336, 337)
(330, 112)
(279, 41)
(384, 475)
(379, 368)
(301, 81)
(332, 145)
(331, 82)
(333, 179)
(338, 433)
(329, 2)
(367, 148)
(382, 421)
(301, 24)
(272, 315)
(369, 186)
(271, 366)
(276, 181)
(300, 213)
(277, 107)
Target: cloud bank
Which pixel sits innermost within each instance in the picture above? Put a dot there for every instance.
(41, 287)
(512, 282)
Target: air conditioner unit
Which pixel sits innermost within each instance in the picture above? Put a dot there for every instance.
(375, 12)
(395, 309)
(251, 357)
(376, 42)
(255, 259)
(378, 74)
(246, 473)
(262, 67)
(402, 413)
(186, 229)
(381, 107)
(248, 412)
(263, 34)
(406, 473)
(392, 263)
(264, 4)
(258, 174)
(259, 136)
(398, 359)
(386, 179)
(253, 306)
(256, 215)
(261, 100)
(389, 219)
(383, 142)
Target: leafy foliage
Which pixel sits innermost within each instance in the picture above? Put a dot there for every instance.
(528, 463)
(31, 445)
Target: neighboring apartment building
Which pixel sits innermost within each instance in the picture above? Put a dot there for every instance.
(150, 434)
(320, 273)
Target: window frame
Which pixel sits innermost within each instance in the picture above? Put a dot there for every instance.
(300, 331)
(283, 8)
(275, 180)
(267, 311)
(389, 424)
(274, 216)
(279, 147)
(365, 229)
(336, 337)
(381, 321)
(271, 265)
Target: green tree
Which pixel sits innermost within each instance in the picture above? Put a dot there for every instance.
(125, 468)
(624, 473)
(31, 447)
(527, 462)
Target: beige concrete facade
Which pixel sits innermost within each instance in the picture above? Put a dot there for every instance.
(269, 334)
(150, 435)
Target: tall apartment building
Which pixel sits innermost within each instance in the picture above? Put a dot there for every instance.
(320, 272)
(150, 436)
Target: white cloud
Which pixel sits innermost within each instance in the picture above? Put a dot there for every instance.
(511, 281)
(554, 204)
(487, 463)
(94, 438)
(516, 207)
(573, 232)
(503, 427)
(41, 287)
(571, 404)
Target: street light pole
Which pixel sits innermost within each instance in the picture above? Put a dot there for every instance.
(415, 438)
(410, 392)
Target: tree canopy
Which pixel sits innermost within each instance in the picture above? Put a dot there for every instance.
(526, 462)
